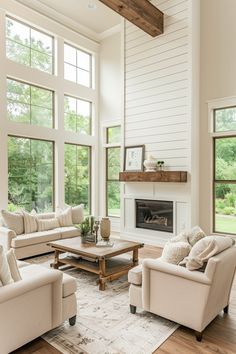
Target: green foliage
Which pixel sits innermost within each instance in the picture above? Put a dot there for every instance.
(85, 227)
(225, 119)
(77, 175)
(30, 174)
(114, 135)
(113, 185)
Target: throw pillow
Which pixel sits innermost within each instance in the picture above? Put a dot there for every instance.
(1, 284)
(5, 273)
(181, 237)
(78, 214)
(195, 235)
(14, 221)
(47, 224)
(174, 252)
(11, 259)
(30, 223)
(205, 248)
(190, 236)
(65, 217)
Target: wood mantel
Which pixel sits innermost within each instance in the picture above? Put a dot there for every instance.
(159, 176)
(141, 13)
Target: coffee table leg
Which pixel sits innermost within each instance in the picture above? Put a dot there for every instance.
(56, 260)
(135, 256)
(102, 272)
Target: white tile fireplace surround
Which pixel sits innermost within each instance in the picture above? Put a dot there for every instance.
(178, 193)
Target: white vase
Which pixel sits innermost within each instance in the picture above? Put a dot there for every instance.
(150, 164)
(105, 228)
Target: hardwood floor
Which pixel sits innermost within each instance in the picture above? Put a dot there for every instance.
(219, 337)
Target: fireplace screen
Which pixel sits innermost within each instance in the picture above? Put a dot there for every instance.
(154, 215)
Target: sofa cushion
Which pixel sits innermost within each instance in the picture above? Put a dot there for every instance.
(135, 275)
(11, 259)
(78, 214)
(67, 232)
(204, 249)
(69, 285)
(14, 221)
(35, 238)
(65, 217)
(47, 224)
(5, 272)
(30, 222)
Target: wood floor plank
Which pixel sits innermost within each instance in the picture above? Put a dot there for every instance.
(218, 338)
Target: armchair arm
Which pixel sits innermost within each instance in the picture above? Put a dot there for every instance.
(178, 271)
(6, 235)
(37, 281)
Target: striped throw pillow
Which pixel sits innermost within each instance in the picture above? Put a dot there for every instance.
(30, 223)
(65, 217)
(48, 224)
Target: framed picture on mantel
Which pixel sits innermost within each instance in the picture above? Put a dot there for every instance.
(133, 159)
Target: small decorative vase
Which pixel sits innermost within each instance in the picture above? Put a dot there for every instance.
(150, 164)
(83, 238)
(105, 229)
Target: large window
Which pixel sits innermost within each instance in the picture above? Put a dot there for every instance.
(29, 104)
(78, 175)
(77, 115)
(225, 171)
(30, 174)
(77, 66)
(28, 46)
(112, 171)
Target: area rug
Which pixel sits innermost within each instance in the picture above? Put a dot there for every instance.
(104, 324)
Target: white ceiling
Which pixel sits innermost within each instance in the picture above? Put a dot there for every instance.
(98, 19)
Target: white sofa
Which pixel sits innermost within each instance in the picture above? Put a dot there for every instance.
(30, 307)
(190, 298)
(28, 245)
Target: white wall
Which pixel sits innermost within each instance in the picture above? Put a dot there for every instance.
(161, 96)
(218, 80)
(110, 103)
(110, 106)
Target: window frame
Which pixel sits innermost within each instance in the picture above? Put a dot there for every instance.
(90, 170)
(217, 136)
(90, 71)
(90, 116)
(39, 87)
(53, 162)
(107, 180)
(23, 45)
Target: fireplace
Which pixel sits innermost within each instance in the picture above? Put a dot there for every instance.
(154, 215)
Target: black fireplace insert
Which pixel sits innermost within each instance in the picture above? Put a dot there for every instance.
(154, 215)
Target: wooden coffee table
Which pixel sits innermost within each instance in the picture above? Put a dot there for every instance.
(98, 260)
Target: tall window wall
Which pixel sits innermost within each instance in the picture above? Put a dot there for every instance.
(37, 143)
(224, 166)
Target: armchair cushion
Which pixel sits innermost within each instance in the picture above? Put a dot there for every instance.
(135, 275)
(69, 285)
(14, 221)
(205, 249)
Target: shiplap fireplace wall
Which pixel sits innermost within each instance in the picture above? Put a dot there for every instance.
(161, 97)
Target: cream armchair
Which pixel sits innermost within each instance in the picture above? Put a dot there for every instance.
(41, 301)
(190, 298)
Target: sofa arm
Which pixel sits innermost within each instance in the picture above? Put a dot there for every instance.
(178, 271)
(21, 287)
(6, 235)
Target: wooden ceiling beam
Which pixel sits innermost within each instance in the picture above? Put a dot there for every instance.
(141, 13)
